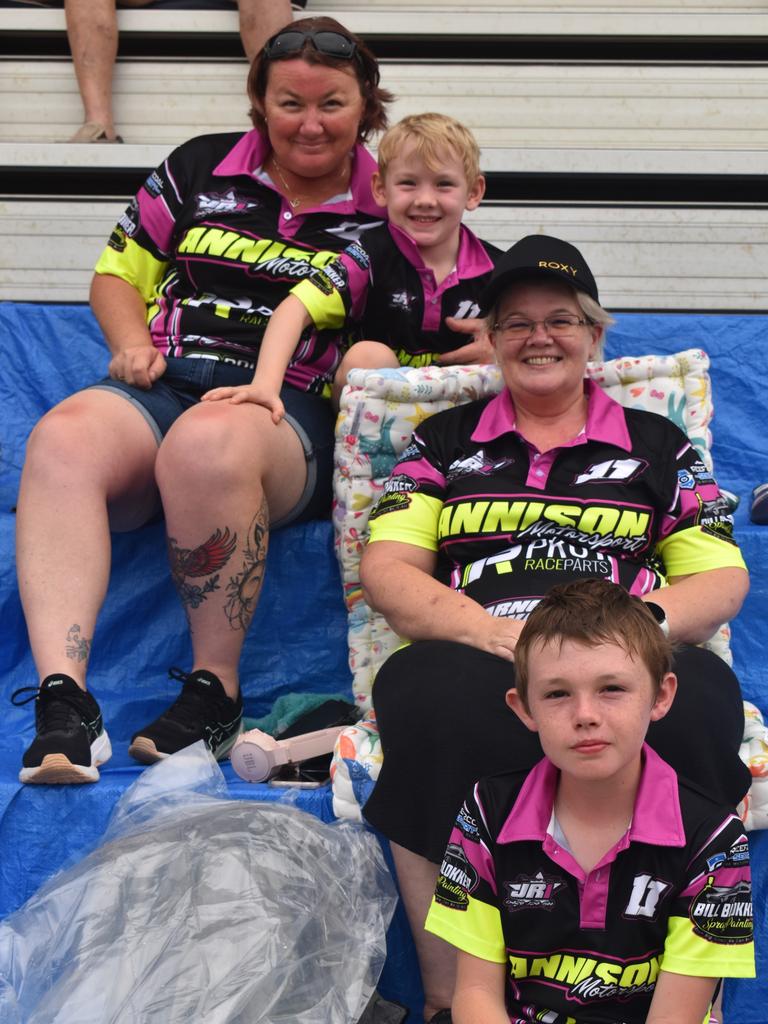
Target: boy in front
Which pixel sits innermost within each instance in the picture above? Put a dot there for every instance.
(598, 888)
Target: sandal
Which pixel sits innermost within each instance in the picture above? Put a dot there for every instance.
(92, 131)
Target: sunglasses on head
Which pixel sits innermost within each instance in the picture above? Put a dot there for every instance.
(291, 41)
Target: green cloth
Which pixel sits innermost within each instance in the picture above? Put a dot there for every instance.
(288, 708)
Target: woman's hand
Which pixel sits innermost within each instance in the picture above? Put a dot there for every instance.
(140, 365)
(253, 392)
(479, 350)
(398, 581)
(500, 637)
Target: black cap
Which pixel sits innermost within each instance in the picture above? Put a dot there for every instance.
(537, 255)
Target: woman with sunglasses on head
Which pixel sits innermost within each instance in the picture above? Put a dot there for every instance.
(214, 240)
(491, 505)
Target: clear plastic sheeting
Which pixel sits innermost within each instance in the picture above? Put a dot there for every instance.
(198, 908)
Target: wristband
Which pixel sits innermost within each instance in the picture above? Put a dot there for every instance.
(660, 615)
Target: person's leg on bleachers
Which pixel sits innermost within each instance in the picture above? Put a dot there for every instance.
(92, 34)
(260, 19)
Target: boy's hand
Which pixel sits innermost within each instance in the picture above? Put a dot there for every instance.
(140, 365)
(479, 350)
(254, 393)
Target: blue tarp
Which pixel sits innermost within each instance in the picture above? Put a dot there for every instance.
(298, 638)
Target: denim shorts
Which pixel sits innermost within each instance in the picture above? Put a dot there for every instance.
(185, 380)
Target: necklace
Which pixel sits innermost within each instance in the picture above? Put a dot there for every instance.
(293, 203)
(298, 200)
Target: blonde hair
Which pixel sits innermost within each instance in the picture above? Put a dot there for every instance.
(430, 135)
(593, 309)
(595, 312)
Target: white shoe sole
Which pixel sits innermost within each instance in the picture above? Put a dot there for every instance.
(57, 769)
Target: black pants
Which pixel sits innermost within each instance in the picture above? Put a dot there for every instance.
(444, 724)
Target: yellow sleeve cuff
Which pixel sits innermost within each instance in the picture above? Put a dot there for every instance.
(692, 550)
(476, 930)
(407, 518)
(327, 311)
(687, 953)
(134, 265)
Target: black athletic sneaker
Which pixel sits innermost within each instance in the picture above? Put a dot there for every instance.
(202, 711)
(71, 741)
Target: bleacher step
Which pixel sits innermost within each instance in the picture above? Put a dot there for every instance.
(588, 106)
(703, 18)
(661, 258)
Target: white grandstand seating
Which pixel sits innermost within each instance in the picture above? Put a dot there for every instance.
(638, 130)
(634, 18)
(644, 258)
(653, 109)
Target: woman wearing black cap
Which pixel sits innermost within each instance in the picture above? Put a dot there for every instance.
(491, 505)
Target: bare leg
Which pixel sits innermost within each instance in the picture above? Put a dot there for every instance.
(224, 471)
(260, 19)
(363, 355)
(416, 878)
(91, 450)
(717, 1006)
(92, 33)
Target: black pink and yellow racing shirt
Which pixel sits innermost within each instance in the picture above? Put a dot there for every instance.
(579, 947)
(213, 248)
(628, 500)
(382, 288)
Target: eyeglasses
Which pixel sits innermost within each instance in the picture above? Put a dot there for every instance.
(560, 326)
(291, 41)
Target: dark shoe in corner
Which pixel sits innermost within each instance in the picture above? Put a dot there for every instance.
(381, 1011)
(758, 512)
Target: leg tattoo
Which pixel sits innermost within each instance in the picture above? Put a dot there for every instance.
(194, 563)
(78, 647)
(243, 590)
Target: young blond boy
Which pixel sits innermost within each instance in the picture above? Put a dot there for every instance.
(396, 287)
(599, 886)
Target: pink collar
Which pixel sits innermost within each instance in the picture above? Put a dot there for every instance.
(472, 259)
(605, 418)
(252, 149)
(656, 818)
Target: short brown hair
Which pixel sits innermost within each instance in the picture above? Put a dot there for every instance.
(594, 612)
(430, 135)
(363, 64)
